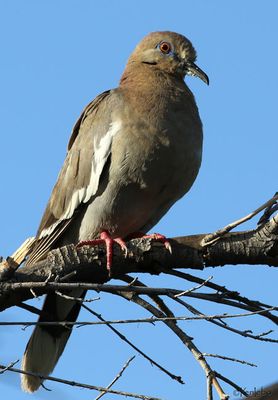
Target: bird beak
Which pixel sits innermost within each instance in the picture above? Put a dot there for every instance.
(192, 69)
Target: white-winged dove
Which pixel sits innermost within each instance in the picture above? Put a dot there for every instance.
(134, 151)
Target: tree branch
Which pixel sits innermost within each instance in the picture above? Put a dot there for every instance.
(88, 264)
(4, 368)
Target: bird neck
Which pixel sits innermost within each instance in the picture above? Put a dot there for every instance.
(147, 77)
(148, 87)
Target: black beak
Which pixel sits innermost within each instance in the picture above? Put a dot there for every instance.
(192, 69)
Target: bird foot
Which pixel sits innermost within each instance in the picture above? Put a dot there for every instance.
(155, 236)
(105, 238)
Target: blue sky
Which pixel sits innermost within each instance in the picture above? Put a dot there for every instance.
(56, 56)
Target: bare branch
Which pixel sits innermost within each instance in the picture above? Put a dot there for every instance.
(29, 308)
(122, 337)
(81, 300)
(143, 320)
(78, 384)
(53, 286)
(224, 325)
(227, 294)
(117, 377)
(212, 238)
(154, 297)
(88, 264)
(194, 288)
(209, 387)
(69, 267)
(270, 210)
(231, 383)
(8, 367)
(229, 359)
(187, 340)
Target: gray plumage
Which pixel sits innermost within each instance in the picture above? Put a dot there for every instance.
(133, 153)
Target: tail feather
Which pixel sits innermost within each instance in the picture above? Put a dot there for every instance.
(41, 355)
(47, 343)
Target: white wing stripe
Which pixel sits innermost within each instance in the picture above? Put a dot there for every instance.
(76, 199)
(101, 153)
(99, 157)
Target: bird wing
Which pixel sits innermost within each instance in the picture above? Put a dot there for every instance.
(88, 151)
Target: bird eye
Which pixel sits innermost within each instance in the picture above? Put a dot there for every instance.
(165, 47)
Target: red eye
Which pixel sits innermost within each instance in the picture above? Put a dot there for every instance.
(165, 47)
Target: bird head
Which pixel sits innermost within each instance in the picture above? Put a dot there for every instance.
(170, 52)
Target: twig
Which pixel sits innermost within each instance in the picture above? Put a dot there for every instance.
(224, 325)
(132, 289)
(209, 387)
(227, 293)
(187, 340)
(65, 278)
(2, 370)
(78, 384)
(200, 316)
(231, 383)
(34, 293)
(212, 238)
(168, 312)
(116, 377)
(48, 278)
(134, 280)
(122, 337)
(156, 299)
(142, 320)
(218, 298)
(65, 296)
(229, 359)
(29, 308)
(265, 333)
(268, 212)
(222, 289)
(194, 288)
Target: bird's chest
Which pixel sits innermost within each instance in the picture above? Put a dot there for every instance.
(166, 153)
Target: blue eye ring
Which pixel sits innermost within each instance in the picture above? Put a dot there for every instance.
(165, 47)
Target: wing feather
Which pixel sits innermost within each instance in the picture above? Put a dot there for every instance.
(88, 151)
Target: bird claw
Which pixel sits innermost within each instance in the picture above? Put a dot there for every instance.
(155, 236)
(122, 245)
(105, 238)
(168, 246)
(160, 238)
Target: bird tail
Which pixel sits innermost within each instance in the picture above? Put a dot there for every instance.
(47, 342)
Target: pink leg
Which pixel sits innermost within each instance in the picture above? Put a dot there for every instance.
(106, 239)
(155, 236)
